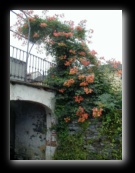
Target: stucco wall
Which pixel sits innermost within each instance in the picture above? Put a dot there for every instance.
(24, 92)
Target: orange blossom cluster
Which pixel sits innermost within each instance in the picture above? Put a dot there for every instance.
(82, 114)
(97, 112)
(78, 99)
(73, 70)
(69, 82)
(57, 34)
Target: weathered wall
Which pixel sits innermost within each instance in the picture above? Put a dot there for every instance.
(97, 145)
(29, 132)
(37, 95)
(25, 92)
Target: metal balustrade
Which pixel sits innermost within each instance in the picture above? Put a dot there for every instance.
(37, 68)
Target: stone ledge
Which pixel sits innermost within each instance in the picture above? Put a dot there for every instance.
(47, 88)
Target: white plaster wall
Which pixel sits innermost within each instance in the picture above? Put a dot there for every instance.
(23, 92)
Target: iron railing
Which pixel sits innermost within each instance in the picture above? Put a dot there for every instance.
(25, 66)
(37, 68)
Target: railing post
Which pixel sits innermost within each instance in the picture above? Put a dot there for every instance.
(25, 79)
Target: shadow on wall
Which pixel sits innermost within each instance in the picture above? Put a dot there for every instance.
(27, 130)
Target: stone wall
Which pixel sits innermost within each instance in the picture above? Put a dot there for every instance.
(98, 146)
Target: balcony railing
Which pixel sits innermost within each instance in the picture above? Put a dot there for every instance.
(37, 68)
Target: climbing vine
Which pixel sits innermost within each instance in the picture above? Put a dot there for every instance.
(75, 77)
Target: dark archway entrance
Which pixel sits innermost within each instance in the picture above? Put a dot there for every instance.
(27, 130)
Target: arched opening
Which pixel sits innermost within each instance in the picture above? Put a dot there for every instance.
(27, 130)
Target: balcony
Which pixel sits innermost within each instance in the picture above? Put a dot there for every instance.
(34, 71)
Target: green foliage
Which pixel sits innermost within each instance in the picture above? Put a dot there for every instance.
(111, 101)
(76, 93)
(71, 148)
(112, 129)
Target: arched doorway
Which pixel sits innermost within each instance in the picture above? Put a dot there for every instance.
(27, 130)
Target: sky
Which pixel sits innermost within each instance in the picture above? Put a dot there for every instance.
(107, 25)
